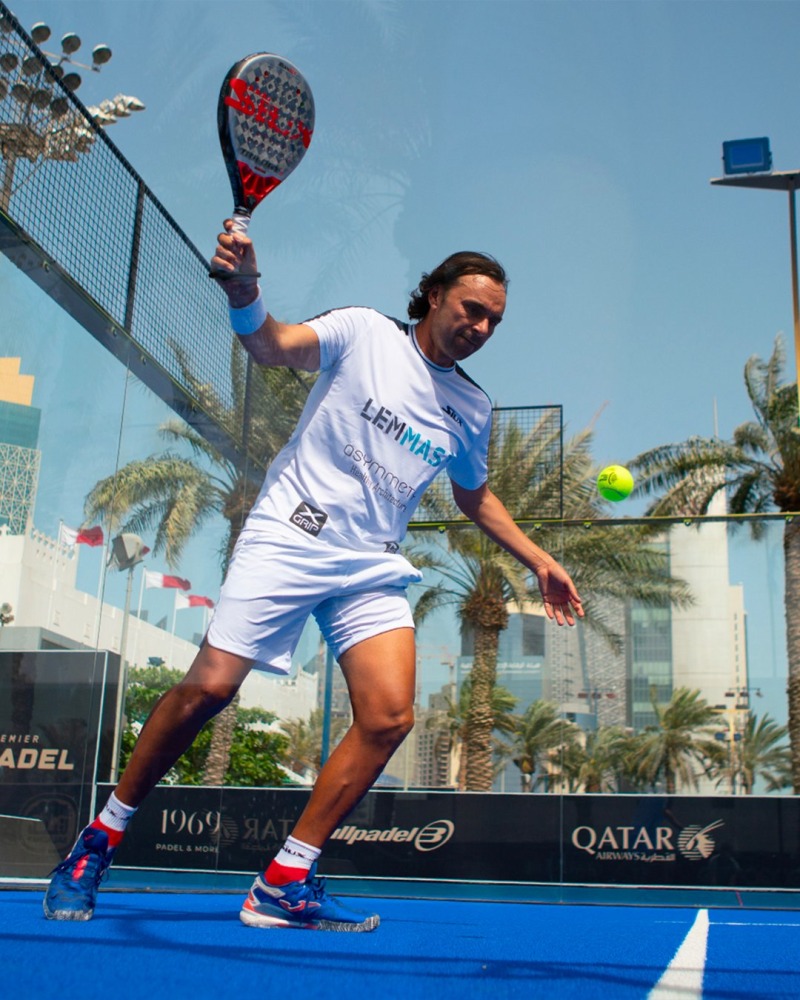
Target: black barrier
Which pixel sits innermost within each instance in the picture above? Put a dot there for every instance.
(57, 717)
(574, 839)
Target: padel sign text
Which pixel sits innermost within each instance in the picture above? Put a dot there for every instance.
(426, 838)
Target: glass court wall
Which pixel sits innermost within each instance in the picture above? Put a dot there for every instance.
(106, 391)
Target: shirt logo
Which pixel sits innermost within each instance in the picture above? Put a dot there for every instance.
(391, 424)
(453, 415)
(309, 519)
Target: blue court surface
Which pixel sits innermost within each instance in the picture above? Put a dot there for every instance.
(192, 945)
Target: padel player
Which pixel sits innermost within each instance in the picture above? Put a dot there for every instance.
(390, 409)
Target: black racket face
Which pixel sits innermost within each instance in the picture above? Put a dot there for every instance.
(265, 116)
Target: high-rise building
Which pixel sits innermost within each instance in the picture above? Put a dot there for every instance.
(19, 453)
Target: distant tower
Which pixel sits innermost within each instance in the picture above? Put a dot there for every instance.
(19, 454)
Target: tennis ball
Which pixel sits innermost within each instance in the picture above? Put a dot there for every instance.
(615, 482)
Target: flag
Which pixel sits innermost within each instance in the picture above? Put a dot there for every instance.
(162, 580)
(183, 601)
(80, 536)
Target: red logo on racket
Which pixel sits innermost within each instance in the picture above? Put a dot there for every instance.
(266, 113)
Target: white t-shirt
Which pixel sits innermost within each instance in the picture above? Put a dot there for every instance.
(379, 424)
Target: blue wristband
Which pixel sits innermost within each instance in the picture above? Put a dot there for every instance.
(250, 318)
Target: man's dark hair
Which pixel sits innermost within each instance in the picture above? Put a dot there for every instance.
(448, 272)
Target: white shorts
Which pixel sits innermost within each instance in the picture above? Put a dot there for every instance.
(275, 580)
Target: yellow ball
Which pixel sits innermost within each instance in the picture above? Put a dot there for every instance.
(615, 482)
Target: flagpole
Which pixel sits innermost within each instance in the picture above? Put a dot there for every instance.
(141, 595)
(100, 587)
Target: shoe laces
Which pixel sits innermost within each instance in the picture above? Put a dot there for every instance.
(97, 872)
(316, 886)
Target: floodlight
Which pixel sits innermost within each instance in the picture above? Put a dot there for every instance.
(71, 81)
(100, 55)
(70, 43)
(746, 156)
(40, 32)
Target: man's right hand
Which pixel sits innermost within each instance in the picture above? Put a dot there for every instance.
(235, 254)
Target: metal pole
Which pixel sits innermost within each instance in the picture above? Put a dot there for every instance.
(7, 189)
(123, 679)
(326, 712)
(133, 267)
(795, 298)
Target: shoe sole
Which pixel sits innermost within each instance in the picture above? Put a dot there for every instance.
(67, 914)
(252, 919)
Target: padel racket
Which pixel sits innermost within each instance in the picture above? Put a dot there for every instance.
(265, 116)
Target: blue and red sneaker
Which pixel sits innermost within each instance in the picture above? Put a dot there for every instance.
(73, 887)
(302, 904)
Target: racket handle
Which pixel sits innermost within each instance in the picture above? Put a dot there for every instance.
(241, 221)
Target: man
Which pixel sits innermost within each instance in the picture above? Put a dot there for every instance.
(390, 409)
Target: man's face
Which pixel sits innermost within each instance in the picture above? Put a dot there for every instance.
(463, 317)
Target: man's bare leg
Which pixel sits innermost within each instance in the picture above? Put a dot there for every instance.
(176, 719)
(380, 674)
(178, 716)
(380, 677)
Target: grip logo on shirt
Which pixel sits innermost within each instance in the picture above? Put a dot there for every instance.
(309, 519)
(403, 433)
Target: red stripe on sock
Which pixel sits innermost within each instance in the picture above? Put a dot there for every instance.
(282, 874)
(114, 836)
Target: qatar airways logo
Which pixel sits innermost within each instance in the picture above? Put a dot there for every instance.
(632, 843)
(395, 426)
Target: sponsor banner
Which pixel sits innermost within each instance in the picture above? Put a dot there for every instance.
(198, 828)
(390, 834)
(743, 840)
(56, 738)
(580, 839)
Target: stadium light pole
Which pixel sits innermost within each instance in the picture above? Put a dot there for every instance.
(37, 120)
(127, 551)
(748, 163)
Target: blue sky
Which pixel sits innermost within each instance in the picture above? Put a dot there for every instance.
(573, 140)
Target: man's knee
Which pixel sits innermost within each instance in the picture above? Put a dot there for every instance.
(211, 683)
(203, 699)
(389, 726)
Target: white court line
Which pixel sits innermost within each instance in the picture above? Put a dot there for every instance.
(683, 977)
(754, 923)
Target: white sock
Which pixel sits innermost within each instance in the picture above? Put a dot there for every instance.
(116, 815)
(296, 854)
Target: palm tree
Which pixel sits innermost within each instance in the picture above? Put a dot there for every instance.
(759, 470)
(453, 729)
(680, 739)
(305, 740)
(482, 580)
(541, 735)
(604, 758)
(760, 753)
